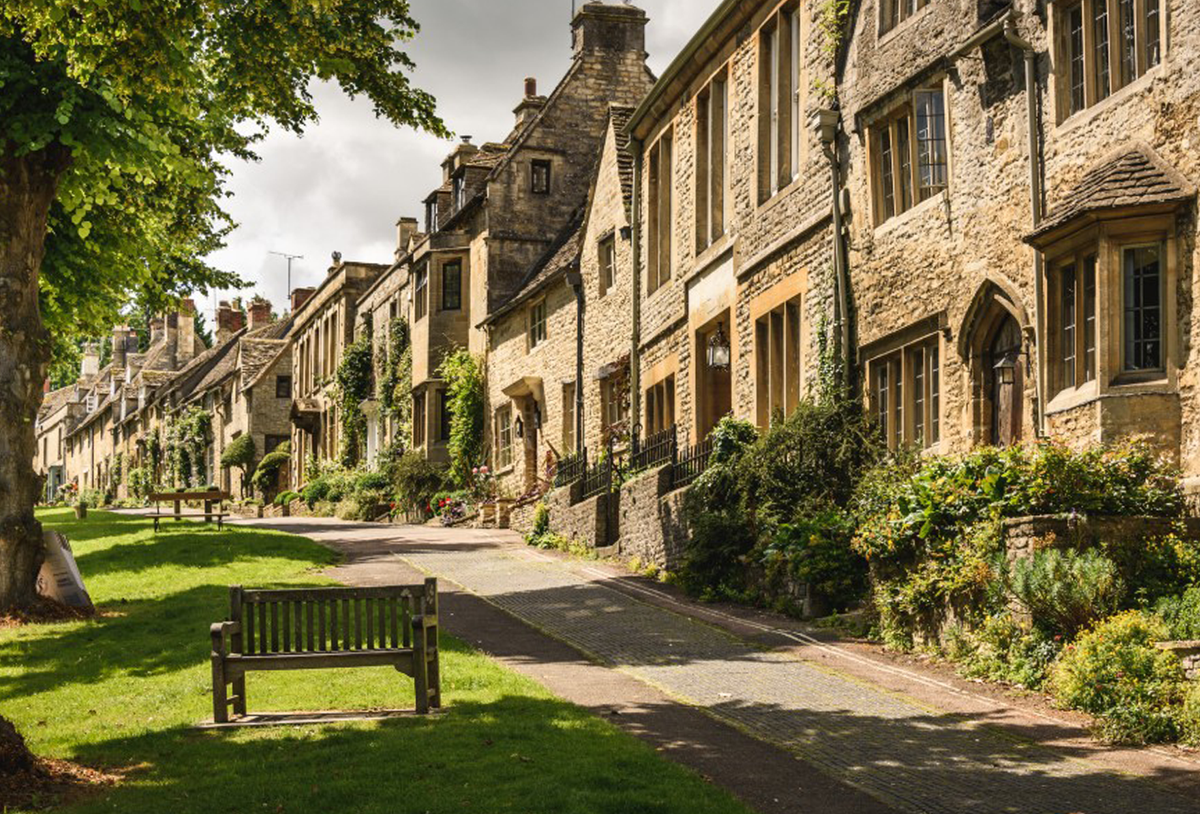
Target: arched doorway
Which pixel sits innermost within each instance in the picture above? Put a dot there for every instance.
(1007, 387)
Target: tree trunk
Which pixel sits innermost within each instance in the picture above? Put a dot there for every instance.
(28, 186)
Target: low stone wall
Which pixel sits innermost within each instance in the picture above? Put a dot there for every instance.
(652, 527)
(1024, 535)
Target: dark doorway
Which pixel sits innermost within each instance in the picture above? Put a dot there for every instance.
(1007, 391)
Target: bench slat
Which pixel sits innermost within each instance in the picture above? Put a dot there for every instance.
(262, 630)
(274, 627)
(287, 627)
(321, 628)
(308, 621)
(248, 613)
(345, 603)
(393, 608)
(239, 665)
(321, 594)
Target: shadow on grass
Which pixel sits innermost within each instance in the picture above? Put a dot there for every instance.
(517, 753)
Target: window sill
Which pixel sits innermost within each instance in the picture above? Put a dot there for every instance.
(713, 251)
(1134, 88)
(1073, 398)
(779, 195)
(897, 221)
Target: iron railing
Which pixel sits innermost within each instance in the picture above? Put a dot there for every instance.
(690, 463)
(570, 469)
(599, 478)
(655, 450)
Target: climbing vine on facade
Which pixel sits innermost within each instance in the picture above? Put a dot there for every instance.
(463, 374)
(188, 437)
(395, 382)
(353, 387)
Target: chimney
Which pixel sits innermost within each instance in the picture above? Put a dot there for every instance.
(300, 296)
(260, 313)
(157, 331)
(601, 27)
(229, 322)
(119, 346)
(530, 105)
(181, 335)
(46, 386)
(405, 229)
(91, 360)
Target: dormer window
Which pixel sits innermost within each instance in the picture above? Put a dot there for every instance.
(431, 216)
(460, 192)
(540, 178)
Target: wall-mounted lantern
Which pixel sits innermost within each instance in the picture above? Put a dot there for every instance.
(519, 427)
(1006, 368)
(537, 416)
(719, 355)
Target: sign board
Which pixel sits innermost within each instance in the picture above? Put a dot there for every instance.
(59, 578)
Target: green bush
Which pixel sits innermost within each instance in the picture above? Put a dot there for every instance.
(415, 481)
(1115, 672)
(1189, 715)
(1000, 649)
(540, 527)
(463, 374)
(266, 476)
(240, 453)
(816, 551)
(285, 498)
(1181, 614)
(1155, 567)
(1064, 591)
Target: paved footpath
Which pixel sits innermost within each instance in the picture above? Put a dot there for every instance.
(906, 740)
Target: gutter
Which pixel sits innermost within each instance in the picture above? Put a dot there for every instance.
(1035, 205)
(635, 353)
(575, 281)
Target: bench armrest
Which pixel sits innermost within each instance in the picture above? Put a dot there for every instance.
(425, 620)
(219, 632)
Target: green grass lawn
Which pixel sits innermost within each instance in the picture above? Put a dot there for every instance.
(125, 690)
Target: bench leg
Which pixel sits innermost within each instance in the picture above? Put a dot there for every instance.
(420, 669)
(220, 691)
(435, 671)
(239, 690)
(156, 524)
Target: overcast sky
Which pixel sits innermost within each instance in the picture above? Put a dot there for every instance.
(343, 186)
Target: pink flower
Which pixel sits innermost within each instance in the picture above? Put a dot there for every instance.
(484, 470)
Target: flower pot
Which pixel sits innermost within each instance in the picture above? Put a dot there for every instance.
(80, 512)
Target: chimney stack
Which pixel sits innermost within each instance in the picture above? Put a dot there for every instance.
(119, 345)
(157, 331)
(90, 366)
(229, 322)
(260, 313)
(530, 104)
(187, 331)
(300, 296)
(405, 229)
(601, 27)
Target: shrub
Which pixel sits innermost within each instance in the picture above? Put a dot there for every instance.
(1064, 591)
(539, 534)
(266, 476)
(285, 498)
(1000, 649)
(1155, 567)
(463, 374)
(240, 455)
(816, 551)
(415, 481)
(1115, 672)
(1181, 614)
(141, 482)
(1189, 715)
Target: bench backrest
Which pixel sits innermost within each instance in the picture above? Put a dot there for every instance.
(328, 620)
(188, 497)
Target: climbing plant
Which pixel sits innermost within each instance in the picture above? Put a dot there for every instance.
(240, 454)
(353, 387)
(463, 374)
(188, 436)
(395, 382)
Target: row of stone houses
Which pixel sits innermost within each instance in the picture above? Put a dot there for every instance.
(114, 418)
(986, 206)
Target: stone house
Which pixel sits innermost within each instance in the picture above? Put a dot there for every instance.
(323, 326)
(247, 389)
(734, 235)
(558, 357)
(501, 208)
(1021, 179)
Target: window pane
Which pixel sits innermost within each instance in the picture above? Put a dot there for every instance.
(1068, 327)
(1153, 34)
(452, 286)
(773, 102)
(1089, 318)
(886, 178)
(917, 360)
(1103, 59)
(881, 398)
(1143, 308)
(719, 161)
(794, 83)
(931, 143)
(1129, 70)
(935, 396)
(904, 154)
(1075, 38)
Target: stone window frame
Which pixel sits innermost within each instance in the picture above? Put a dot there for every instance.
(431, 215)
(537, 319)
(540, 176)
(905, 391)
(419, 422)
(660, 211)
(445, 415)
(459, 190)
(1072, 287)
(614, 402)
(283, 387)
(1093, 61)
(711, 167)
(503, 423)
(660, 405)
(780, 105)
(569, 419)
(778, 359)
(421, 294)
(457, 266)
(894, 14)
(1109, 239)
(606, 262)
(890, 166)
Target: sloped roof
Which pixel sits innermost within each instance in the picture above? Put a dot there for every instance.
(620, 117)
(560, 257)
(257, 356)
(54, 401)
(1137, 176)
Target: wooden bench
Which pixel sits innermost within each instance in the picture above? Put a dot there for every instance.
(327, 628)
(178, 498)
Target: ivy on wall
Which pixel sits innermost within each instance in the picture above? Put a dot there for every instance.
(188, 436)
(463, 375)
(353, 387)
(395, 382)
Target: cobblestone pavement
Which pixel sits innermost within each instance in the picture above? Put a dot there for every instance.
(910, 756)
